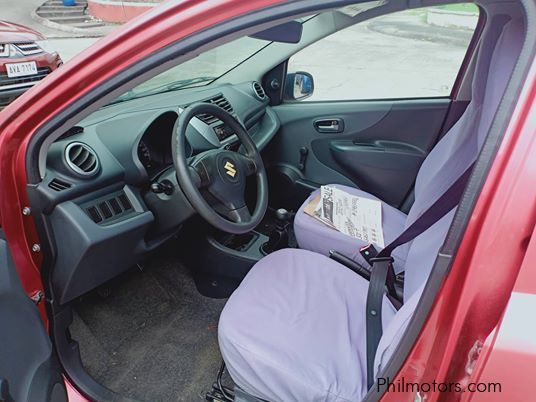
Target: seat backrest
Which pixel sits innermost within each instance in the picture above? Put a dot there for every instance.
(498, 52)
(460, 147)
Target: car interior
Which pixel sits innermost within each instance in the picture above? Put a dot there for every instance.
(180, 262)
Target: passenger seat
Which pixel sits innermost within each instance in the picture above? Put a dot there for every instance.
(447, 161)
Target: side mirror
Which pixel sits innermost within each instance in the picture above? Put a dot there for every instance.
(298, 86)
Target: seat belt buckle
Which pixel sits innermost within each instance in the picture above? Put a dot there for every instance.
(387, 258)
(368, 252)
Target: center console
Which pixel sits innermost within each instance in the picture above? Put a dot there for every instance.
(221, 260)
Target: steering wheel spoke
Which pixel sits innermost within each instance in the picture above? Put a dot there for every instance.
(248, 164)
(199, 176)
(238, 215)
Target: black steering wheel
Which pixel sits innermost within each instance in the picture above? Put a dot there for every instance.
(220, 174)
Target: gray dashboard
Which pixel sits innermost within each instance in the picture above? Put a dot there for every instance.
(96, 193)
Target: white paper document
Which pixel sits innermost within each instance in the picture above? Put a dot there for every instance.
(352, 215)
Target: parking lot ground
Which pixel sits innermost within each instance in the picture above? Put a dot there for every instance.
(70, 47)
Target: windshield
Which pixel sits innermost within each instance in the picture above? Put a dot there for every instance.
(199, 71)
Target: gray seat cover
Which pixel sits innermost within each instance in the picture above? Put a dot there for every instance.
(315, 236)
(294, 330)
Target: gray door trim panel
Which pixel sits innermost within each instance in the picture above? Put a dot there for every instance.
(404, 129)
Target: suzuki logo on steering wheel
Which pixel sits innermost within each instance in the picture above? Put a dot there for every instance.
(230, 169)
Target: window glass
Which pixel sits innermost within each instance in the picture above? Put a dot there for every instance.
(409, 54)
(199, 71)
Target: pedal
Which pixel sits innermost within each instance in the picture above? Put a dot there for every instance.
(219, 392)
(214, 396)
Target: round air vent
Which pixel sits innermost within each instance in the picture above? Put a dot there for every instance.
(81, 159)
(259, 90)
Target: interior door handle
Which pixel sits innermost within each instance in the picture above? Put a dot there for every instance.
(333, 125)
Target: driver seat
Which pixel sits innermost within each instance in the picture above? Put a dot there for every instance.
(294, 330)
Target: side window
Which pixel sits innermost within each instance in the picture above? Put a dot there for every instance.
(408, 54)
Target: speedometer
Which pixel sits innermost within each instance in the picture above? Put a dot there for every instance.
(144, 154)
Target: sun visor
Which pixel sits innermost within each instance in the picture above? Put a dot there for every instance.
(289, 32)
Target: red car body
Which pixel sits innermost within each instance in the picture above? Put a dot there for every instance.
(472, 332)
(18, 45)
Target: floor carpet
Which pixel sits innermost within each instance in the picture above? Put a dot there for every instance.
(154, 337)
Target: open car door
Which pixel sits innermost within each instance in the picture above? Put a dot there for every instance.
(28, 367)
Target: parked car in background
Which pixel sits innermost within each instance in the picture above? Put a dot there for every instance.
(25, 59)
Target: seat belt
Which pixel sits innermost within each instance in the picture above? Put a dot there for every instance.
(382, 264)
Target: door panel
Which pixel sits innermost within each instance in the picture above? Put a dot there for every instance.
(377, 146)
(385, 168)
(28, 369)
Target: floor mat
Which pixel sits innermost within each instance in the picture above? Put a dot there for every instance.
(154, 338)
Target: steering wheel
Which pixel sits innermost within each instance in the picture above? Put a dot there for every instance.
(220, 174)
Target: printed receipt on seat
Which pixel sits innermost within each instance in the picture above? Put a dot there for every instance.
(354, 216)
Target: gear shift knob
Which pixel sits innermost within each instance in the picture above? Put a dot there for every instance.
(282, 214)
(279, 234)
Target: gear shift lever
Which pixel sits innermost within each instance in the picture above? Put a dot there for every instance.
(283, 217)
(279, 236)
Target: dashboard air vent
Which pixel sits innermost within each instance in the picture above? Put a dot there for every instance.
(59, 185)
(220, 101)
(259, 90)
(94, 214)
(81, 159)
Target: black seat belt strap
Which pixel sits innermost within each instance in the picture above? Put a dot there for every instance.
(382, 264)
(374, 313)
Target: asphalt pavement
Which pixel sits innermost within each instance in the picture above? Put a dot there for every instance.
(386, 58)
(70, 47)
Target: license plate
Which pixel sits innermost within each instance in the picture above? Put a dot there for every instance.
(21, 69)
